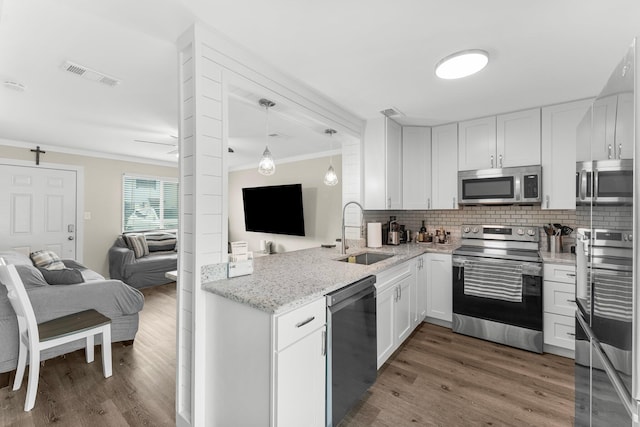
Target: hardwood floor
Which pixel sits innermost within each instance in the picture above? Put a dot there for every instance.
(439, 378)
(141, 391)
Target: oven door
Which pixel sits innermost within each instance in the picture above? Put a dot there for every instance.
(613, 182)
(525, 314)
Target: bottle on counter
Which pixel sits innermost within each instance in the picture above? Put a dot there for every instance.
(422, 233)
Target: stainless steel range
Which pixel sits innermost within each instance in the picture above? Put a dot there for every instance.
(497, 285)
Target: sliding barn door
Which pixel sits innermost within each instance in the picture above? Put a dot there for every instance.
(38, 210)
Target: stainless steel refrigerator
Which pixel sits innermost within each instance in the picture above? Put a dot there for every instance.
(607, 357)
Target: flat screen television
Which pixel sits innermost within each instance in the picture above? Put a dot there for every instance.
(275, 209)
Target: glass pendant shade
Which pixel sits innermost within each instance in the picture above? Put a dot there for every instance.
(267, 166)
(330, 178)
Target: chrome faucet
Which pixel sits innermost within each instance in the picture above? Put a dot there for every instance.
(344, 243)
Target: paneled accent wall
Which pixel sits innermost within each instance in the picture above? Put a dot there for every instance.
(452, 220)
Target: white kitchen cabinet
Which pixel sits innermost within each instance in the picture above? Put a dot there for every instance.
(558, 139)
(518, 138)
(382, 164)
(603, 128)
(395, 305)
(583, 138)
(506, 140)
(444, 173)
(282, 357)
(624, 127)
(477, 144)
(416, 167)
(559, 306)
(439, 286)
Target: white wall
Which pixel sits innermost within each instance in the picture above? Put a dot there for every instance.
(321, 204)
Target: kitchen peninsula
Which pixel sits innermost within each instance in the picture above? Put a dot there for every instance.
(266, 345)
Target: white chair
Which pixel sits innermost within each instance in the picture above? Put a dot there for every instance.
(35, 337)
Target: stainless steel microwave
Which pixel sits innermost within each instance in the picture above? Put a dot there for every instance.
(505, 186)
(604, 182)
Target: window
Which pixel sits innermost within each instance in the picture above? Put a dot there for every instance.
(149, 203)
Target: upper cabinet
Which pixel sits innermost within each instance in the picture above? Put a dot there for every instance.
(624, 126)
(500, 141)
(444, 174)
(383, 164)
(604, 128)
(477, 144)
(416, 167)
(558, 139)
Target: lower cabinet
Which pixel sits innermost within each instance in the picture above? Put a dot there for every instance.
(439, 299)
(274, 366)
(421, 291)
(395, 300)
(559, 306)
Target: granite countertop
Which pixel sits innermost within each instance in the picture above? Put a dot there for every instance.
(284, 281)
(558, 257)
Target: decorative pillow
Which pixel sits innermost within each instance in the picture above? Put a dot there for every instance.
(30, 276)
(66, 276)
(161, 242)
(138, 244)
(46, 259)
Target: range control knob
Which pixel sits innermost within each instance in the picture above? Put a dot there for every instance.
(531, 232)
(520, 231)
(630, 237)
(475, 230)
(466, 229)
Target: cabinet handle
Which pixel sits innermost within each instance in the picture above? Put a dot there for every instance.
(620, 151)
(399, 292)
(547, 199)
(389, 203)
(571, 300)
(428, 203)
(304, 322)
(571, 334)
(324, 343)
(492, 161)
(571, 274)
(454, 203)
(500, 157)
(609, 151)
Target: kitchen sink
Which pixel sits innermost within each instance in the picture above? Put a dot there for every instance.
(366, 258)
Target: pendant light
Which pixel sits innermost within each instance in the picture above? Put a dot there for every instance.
(330, 178)
(267, 166)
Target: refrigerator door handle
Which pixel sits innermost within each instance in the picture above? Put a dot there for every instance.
(622, 392)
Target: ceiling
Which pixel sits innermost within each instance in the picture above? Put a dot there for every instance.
(365, 55)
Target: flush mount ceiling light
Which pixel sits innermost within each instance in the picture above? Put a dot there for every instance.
(330, 178)
(462, 64)
(266, 166)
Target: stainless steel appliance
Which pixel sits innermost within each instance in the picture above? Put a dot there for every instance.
(351, 346)
(604, 182)
(607, 358)
(517, 185)
(497, 285)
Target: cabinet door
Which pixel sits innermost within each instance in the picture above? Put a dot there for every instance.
(558, 140)
(444, 173)
(394, 165)
(404, 314)
(603, 129)
(583, 138)
(624, 127)
(421, 285)
(300, 382)
(416, 167)
(477, 144)
(374, 151)
(439, 286)
(518, 138)
(385, 323)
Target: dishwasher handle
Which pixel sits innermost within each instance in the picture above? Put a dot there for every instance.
(351, 292)
(371, 290)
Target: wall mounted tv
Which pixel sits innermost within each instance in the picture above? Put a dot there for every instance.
(275, 209)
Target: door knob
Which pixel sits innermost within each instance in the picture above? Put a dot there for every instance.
(70, 238)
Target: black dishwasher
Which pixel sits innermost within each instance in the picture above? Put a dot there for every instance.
(351, 346)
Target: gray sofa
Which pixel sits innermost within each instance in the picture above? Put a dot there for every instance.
(144, 271)
(112, 298)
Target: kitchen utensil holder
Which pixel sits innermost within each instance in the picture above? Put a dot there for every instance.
(554, 244)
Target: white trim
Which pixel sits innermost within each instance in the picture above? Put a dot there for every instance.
(79, 170)
(291, 159)
(156, 177)
(88, 153)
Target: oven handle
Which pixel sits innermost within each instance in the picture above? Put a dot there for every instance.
(528, 268)
(595, 189)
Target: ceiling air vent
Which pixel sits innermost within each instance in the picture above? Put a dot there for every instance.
(89, 74)
(391, 112)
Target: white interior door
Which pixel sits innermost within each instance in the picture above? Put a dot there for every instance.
(38, 209)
